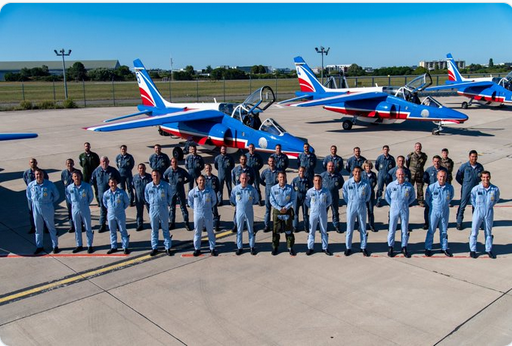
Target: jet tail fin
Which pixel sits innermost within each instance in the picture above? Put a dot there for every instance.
(148, 92)
(307, 79)
(454, 75)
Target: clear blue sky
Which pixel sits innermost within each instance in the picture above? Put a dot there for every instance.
(246, 34)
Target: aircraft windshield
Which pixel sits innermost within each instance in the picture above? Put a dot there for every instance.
(419, 83)
(506, 81)
(271, 126)
(261, 99)
(430, 101)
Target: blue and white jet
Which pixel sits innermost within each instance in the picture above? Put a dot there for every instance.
(208, 124)
(374, 104)
(486, 91)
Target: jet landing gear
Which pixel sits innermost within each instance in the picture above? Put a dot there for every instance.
(347, 124)
(465, 104)
(437, 131)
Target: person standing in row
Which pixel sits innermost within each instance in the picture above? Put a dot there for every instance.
(484, 197)
(268, 179)
(89, 160)
(335, 159)
(140, 181)
(280, 158)
(212, 182)
(384, 164)
(356, 160)
(333, 182)
(307, 159)
(194, 164)
(400, 164)
(66, 177)
(177, 178)
(416, 161)
(318, 200)
(224, 164)
(158, 195)
(468, 176)
(159, 160)
(301, 184)
(371, 177)
(100, 181)
(255, 161)
(399, 195)
(202, 199)
(79, 194)
(356, 192)
(438, 198)
(282, 198)
(116, 201)
(430, 177)
(125, 163)
(447, 163)
(243, 197)
(42, 194)
(29, 176)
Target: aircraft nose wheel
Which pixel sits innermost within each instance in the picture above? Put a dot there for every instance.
(436, 132)
(464, 105)
(347, 125)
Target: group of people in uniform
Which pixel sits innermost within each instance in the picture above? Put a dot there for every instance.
(399, 183)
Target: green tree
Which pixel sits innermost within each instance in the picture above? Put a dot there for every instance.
(190, 70)
(491, 63)
(355, 70)
(77, 72)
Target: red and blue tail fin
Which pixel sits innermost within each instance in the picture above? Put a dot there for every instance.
(453, 71)
(307, 79)
(148, 92)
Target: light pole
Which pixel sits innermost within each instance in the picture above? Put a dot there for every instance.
(62, 54)
(322, 51)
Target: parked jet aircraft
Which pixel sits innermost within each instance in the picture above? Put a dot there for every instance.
(210, 124)
(11, 136)
(373, 105)
(487, 91)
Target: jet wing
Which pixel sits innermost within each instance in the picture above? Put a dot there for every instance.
(462, 86)
(198, 115)
(11, 136)
(348, 97)
(302, 97)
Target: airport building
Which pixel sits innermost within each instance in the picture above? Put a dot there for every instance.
(54, 67)
(441, 64)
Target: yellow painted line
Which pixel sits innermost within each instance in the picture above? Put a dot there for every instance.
(83, 276)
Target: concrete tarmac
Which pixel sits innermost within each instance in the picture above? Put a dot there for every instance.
(99, 299)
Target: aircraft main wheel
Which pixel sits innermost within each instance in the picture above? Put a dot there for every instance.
(436, 132)
(464, 105)
(347, 125)
(177, 153)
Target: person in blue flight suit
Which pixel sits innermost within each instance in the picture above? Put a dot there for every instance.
(243, 197)
(224, 164)
(212, 182)
(318, 200)
(400, 163)
(158, 195)
(66, 177)
(177, 177)
(356, 160)
(430, 177)
(282, 199)
(125, 163)
(307, 160)
(268, 179)
(301, 184)
(335, 159)
(280, 158)
(333, 182)
(79, 194)
(139, 183)
(371, 177)
(468, 176)
(399, 195)
(194, 164)
(42, 194)
(384, 163)
(159, 160)
(100, 180)
(29, 176)
(438, 197)
(255, 161)
(202, 199)
(484, 197)
(235, 177)
(356, 193)
(116, 201)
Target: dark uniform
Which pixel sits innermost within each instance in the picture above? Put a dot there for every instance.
(416, 163)
(99, 179)
(281, 161)
(159, 162)
(301, 187)
(371, 177)
(177, 180)
(383, 164)
(308, 161)
(392, 174)
(212, 182)
(237, 172)
(468, 177)
(448, 164)
(255, 161)
(125, 164)
(224, 164)
(353, 162)
(268, 179)
(139, 185)
(334, 182)
(336, 160)
(89, 162)
(194, 165)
